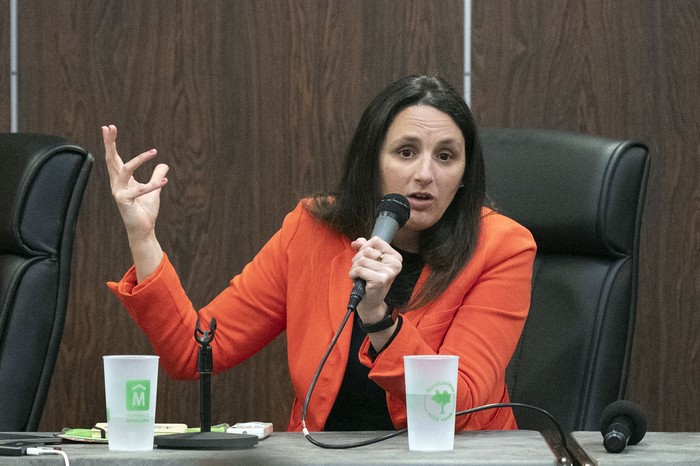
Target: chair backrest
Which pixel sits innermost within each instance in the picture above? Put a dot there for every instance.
(42, 179)
(582, 198)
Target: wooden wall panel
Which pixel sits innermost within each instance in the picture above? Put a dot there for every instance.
(251, 103)
(622, 69)
(5, 66)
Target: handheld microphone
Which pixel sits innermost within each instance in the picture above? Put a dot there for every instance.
(622, 423)
(393, 213)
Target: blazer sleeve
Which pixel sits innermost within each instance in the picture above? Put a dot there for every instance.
(249, 313)
(482, 326)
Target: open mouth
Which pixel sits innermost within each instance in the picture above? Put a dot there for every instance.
(420, 201)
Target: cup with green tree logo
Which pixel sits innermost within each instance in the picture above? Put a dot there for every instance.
(431, 394)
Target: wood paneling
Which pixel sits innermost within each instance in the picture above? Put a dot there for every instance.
(623, 69)
(251, 104)
(5, 66)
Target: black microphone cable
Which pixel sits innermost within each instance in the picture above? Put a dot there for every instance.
(342, 446)
(304, 430)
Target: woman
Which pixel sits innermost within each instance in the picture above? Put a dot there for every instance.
(458, 272)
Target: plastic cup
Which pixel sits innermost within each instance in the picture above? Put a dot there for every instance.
(431, 394)
(131, 384)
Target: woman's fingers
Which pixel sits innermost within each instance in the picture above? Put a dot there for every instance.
(374, 272)
(127, 194)
(126, 189)
(109, 139)
(158, 179)
(114, 161)
(125, 175)
(109, 136)
(121, 175)
(375, 260)
(375, 249)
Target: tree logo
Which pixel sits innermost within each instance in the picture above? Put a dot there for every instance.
(439, 401)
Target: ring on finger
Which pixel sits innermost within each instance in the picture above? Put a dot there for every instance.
(380, 257)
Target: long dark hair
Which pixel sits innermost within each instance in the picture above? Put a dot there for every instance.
(351, 209)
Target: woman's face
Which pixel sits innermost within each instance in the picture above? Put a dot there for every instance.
(422, 157)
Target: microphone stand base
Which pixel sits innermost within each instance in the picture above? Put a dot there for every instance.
(206, 441)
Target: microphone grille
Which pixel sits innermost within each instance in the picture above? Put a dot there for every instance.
(397, 205)
(625, 408)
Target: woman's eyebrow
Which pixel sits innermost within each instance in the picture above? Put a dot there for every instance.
(415, 140)
(406, 139)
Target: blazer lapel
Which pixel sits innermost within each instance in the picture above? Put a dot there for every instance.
(339, 287)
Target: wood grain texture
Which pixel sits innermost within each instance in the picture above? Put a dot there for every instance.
(5, 66)
(629, 70)
(251, 104)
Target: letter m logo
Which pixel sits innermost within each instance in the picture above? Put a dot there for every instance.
(138, 394)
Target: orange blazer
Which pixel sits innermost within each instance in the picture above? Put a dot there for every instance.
(299, 283)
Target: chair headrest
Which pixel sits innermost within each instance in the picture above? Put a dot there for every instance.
(34, 193)
(576, 193)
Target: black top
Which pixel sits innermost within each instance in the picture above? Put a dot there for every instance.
(361, 403)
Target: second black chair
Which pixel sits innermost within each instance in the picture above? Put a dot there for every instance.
(582, 198)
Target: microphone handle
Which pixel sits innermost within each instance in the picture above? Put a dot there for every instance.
(618, 434)
(386, 226)
(357, 293)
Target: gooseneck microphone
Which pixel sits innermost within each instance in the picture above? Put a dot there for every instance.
(622, 423)
(393, 213)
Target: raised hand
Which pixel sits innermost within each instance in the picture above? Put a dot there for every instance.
(138, 203)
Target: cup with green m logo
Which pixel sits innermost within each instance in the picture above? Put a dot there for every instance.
(130, 392)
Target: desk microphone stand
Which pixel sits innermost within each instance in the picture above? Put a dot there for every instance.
(205, 439)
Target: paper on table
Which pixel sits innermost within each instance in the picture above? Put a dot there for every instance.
(100, 429)
(89, 435)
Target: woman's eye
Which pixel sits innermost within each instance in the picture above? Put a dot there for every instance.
(406, 153)
(444, 157)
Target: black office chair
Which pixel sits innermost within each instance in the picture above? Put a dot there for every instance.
(42, 179)
(582, 199)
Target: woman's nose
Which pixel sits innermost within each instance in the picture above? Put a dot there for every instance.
(424, 169)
